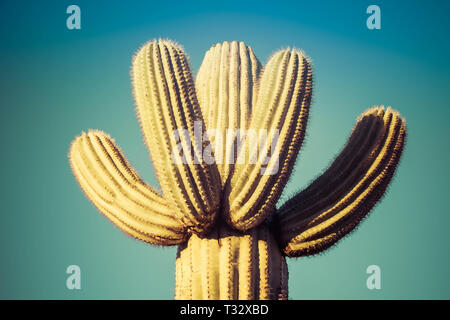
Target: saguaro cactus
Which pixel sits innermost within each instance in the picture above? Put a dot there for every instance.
(232, 240)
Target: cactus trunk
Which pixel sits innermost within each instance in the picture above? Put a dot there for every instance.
(228, 264)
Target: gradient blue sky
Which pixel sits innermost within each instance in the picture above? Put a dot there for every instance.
(54, 83)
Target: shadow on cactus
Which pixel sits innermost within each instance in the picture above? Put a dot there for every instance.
(232, 240)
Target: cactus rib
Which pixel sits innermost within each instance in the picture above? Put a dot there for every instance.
(116, 190)
(350, 188)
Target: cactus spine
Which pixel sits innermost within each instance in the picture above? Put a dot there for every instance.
(218, 213)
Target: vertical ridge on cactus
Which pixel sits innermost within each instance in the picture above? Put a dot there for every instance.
(217, 213)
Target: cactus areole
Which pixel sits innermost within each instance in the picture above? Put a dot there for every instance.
(232, 238)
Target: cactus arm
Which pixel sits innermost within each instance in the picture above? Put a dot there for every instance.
(114, 187)
(282, 105)
(166, 101)
(336, 202)
(226, 89)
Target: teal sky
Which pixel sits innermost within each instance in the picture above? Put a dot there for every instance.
(56, 82)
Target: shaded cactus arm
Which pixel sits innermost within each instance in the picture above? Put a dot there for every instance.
(335, 203)
(116, 190)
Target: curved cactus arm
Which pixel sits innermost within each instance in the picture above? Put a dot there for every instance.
(226, 90)
(280, 114)
(116, 190)
(336, 202)
(172, 125)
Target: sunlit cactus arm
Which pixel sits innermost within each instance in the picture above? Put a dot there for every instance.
(282, 108)
(166, 101)
(226, 90)
(116, 190)
(336, 202)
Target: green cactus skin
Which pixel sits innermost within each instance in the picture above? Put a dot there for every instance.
(232, 240)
